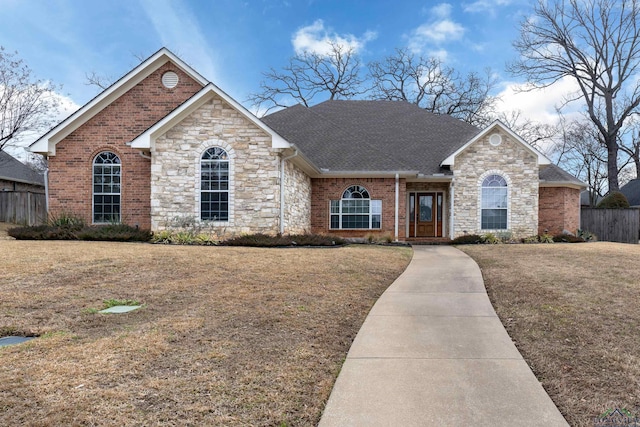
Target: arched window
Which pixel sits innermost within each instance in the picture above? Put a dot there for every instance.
(214, 185)
(106, 188)
(494, 203)
(356, 210)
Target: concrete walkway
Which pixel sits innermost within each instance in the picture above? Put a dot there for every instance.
(432, 352)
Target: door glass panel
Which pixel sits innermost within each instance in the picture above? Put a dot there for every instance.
(412, 207)
(426, 208)
(439, 212)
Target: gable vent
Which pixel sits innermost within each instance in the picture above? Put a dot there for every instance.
(170, 79)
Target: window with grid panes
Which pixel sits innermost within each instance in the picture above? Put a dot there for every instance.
(356, 210)
(494, 203)
(214, 185)
(106, 188)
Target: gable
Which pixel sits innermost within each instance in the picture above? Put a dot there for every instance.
(501, 130)
(146, 139)
(47, 143)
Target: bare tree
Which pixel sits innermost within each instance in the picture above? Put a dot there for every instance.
(582, 152)
(542, 136)
(431, 85)
(309, 76)
(595, 42)
(27, 104)
(630, 143)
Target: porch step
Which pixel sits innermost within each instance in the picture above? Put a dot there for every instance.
(428, 240)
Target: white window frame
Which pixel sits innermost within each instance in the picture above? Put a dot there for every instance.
(375, 209)
(93, 187)
(202, 161)
(481, 194)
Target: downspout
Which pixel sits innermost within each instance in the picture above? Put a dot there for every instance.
(144, 155)
(46, 191)
(397, 207)
(282, 163)
(451, 217)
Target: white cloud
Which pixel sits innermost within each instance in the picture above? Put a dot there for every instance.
(315, 38)
(441, 29)
(539, 105)
(481, 6)
(178, 29)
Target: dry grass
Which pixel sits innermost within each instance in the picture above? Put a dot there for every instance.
(228, 336)
(573, 311)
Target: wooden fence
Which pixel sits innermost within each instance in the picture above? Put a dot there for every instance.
(612, 225)
(20, 207)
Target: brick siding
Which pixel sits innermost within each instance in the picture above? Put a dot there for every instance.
(559, 209)
(325, 189)
(120, 122)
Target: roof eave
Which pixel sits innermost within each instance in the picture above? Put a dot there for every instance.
(569, 184)
(325, 173)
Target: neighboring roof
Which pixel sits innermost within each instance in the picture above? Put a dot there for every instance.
(552, 175)
(147, 138)
(11, 169)
(585, 199)
(631, 190)
(46, 144)
(381, 136)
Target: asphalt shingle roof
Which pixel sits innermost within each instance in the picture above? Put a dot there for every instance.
(371, 135)
(12, 169)
(631, 190)
(379, 136)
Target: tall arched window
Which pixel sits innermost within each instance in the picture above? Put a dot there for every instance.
(106, 188)
(494, 203)
(356, 210)
(214, 185)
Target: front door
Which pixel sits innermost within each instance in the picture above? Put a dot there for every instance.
(425, 215)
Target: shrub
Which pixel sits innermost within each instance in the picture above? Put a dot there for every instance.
(265, 240)
(114, 233)
(74, 231)
(587, 236)
(490, 239)
(66, 219)
(567, 238)
(614, 200)
(467, 239)
(531, 239)
(545, 238)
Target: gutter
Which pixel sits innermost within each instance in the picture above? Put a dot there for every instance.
(282, 165)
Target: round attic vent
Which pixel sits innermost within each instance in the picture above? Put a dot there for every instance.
(170, 79)
(495, 139)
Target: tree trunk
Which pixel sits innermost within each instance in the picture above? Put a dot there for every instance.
(612, 163)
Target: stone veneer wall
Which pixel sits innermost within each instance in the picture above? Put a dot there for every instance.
(254, 201)
(325, 189)
(70, 170)
(559, 210)
(517, 165)
(297, 200)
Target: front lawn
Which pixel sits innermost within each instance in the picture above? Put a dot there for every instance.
(573, 311)
(226, 336)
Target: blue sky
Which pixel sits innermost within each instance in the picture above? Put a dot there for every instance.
(232, 42)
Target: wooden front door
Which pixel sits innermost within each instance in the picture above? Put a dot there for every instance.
(425, 215)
